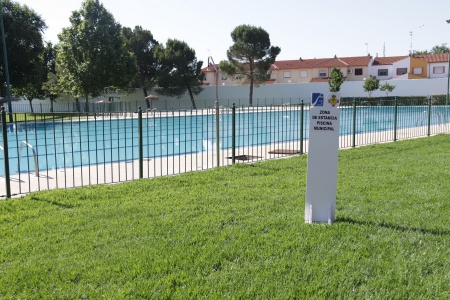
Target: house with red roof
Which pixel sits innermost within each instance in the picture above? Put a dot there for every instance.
(318, 70)
(421, 66)
(354, 69)
(436, 65)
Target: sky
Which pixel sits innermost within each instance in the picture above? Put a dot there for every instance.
(301, 28)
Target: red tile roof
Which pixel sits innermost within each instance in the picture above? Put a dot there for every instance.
(433, 58)
(296, 64)
(321, 63)
(333, 62)
(380, 61)
(209, 68)
(355, 61)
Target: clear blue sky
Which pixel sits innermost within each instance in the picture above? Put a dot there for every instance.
(301, 28)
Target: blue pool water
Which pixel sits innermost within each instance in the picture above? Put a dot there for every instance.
(76, 143)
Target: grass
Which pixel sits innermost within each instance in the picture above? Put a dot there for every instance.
(38, 117)
(239, 233)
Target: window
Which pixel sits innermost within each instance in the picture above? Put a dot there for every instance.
(401, 71)
(418, 71)
(439, 70)
(383, 72)
(224, 77)
(287, 74)
(322, 73)
(358, 71)
(303, 74)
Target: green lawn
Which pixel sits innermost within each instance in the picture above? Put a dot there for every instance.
(239, 233)
(39, 117)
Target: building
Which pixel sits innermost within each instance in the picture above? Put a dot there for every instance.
(356, 68)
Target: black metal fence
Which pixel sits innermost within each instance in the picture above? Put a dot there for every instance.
(43, 151)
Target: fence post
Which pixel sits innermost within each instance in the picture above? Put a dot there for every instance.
(354, 124)
(233, 134)
(141, 146)
(429, 116)
(301, 126)
(217, 133)
(395, 118)
(5, 154)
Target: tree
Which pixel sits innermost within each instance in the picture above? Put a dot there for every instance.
(438, 49)
(422, 52)
(250, 56)
(336, 80)
(50, 82)
(178, 70)
(141, 43)
(387, 88)
(32, 91)
(371, 84)
(92, 53)
(51, 88)
(24, 45)
(36, 89)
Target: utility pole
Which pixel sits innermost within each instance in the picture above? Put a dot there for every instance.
(8, 87)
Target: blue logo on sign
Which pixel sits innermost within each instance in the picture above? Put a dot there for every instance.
(317, 99)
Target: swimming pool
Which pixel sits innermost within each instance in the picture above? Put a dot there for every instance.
(78, 142)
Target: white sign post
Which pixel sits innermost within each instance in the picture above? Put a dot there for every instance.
(323, 149)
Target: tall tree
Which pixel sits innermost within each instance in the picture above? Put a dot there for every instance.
(438, 49)
(178, 70)
(50, 82)
(336, 80)
(38, 89)
(24, 45)
(92, 53)
(250, 56)
(141, 42)
(31, 91)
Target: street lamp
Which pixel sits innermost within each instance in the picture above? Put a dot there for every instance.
(8, 88)
(216, 74)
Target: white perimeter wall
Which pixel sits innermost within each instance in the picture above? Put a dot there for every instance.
(272, 94)
(283, 92)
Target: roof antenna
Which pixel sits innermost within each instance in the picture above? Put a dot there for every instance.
(411, 51)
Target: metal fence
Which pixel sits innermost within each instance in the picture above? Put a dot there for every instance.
(43, 151)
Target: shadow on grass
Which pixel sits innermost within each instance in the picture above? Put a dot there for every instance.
(51, 202)
(50, 117)
(439, 232)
